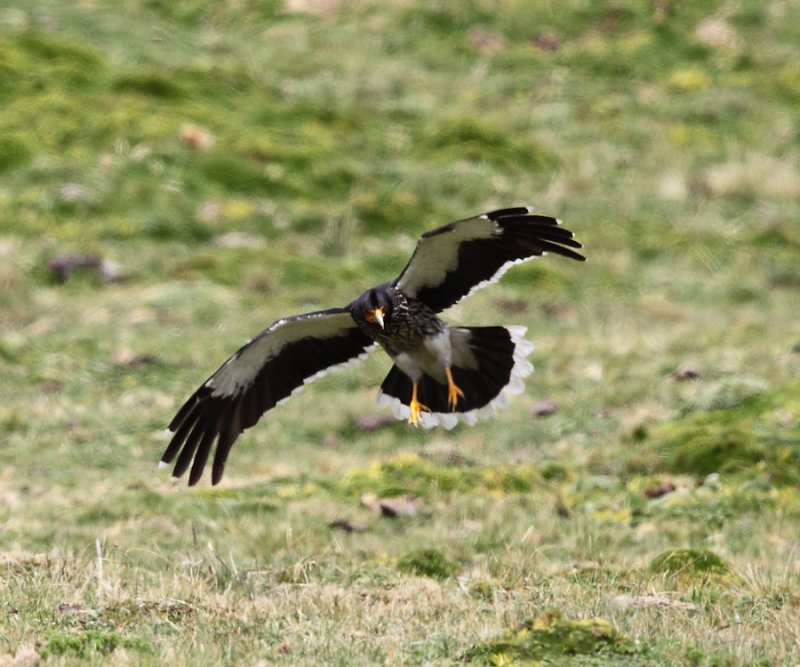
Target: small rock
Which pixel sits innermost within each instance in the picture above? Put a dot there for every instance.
(712, 481)
(75, 192)
(544, 407)
(593, 371)
(196, 137)
(718, 33)
(405, 505)
(318, 8)
(348, 526)
(61, 266)
(485, 41)
(68, 608)
(685, 372)
(562, 509)
(125, 356)
(373, 422)
(395, 507)
(662, 9)
(659, 601)
(240, 240)
(556, 308)
(371, 502)
(210, 211)
(547, 41)
(511, 305)
(658, 491)
(284, 648)
(111, 271)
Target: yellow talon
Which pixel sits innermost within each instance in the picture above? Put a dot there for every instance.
(416, 407)
(453, 390)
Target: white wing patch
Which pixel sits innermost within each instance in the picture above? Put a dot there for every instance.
(238, 372)
(503, 269)
(437, 255)
(522, 368)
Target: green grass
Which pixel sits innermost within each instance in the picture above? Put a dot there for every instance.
(235, 162)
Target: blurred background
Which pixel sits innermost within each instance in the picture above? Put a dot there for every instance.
(175, 176)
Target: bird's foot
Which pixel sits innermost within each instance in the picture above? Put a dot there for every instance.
(415, 407)
(416, 410)
(453, 390)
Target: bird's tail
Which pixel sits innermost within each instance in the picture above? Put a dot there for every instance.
(488, 364)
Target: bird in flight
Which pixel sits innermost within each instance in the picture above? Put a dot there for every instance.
(440, 372)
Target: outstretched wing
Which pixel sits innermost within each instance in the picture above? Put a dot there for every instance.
(263, 373)
(453, 261)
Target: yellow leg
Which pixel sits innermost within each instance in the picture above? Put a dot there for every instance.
(453, 390)
(416, 407)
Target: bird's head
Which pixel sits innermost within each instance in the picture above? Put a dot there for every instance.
(376, 315)
(373, 307)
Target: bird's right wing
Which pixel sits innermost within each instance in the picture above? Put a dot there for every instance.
(453, 261)
(263, 373)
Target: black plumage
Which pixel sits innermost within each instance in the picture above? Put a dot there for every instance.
(439, 371)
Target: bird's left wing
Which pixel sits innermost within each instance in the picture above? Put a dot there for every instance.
(263, 373)
(453, 261)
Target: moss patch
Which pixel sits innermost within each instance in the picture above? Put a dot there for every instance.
(692, 566)
(91, 644)
(760, 435)
(428, 563)
(410, 473)
(15, 149)
(550, 636)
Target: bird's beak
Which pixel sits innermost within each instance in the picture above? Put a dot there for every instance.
(377, 315)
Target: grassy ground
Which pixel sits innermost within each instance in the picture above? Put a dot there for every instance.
(224, 164)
